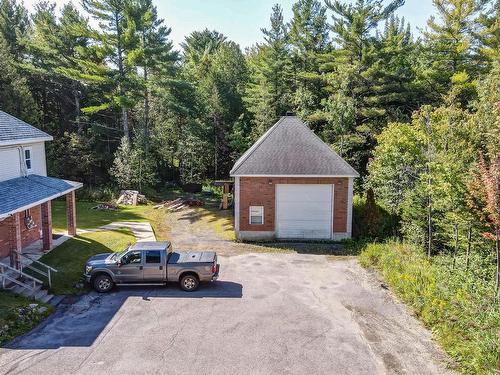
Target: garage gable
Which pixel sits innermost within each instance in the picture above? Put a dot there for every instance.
(290, 148)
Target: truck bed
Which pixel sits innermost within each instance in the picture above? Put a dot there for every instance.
(192, 257)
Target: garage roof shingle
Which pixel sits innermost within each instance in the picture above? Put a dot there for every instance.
(13, 130)
(290, 148)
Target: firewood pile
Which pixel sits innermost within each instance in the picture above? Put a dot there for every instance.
(131, 197)
(179, 204)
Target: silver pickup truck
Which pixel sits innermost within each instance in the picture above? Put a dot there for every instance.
(151, 263)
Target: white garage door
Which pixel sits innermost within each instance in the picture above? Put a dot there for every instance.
(304, 211)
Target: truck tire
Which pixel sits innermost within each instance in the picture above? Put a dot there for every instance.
(189, 283)
(103, 283)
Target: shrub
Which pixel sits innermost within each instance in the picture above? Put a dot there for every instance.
(97, 193)
(457, 305)
(371, 221)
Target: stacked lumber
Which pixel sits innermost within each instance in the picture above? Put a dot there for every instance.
(179, 204)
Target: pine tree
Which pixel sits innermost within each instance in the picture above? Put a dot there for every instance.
(268, 94)
(309, 40)
(218, 69)
(363, 68)
(114, 43)
(53, 48)
(14, 26)
(154, 55)
(15, 95)
(451, 44)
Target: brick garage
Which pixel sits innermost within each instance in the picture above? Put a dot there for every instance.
(290, 184)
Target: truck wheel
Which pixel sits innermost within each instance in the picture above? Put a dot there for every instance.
(103, 283)
(189, 283)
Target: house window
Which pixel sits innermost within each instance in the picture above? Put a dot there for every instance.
(27, 158)
(256, 214)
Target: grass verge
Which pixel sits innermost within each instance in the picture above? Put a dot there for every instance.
(457, 306)
(69, 258)
(13, 324)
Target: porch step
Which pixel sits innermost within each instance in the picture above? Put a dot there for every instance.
(47, 298)
(38, 293)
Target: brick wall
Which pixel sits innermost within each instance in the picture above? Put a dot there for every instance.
(31, 235)
(27, 235)
(260, 191)
(5, 237)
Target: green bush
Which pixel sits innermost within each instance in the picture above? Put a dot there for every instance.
(371, 221)
(97, 193)
(458, 305)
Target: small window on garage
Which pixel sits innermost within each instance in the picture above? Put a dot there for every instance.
(256, 214)
(153, 256)
(27, 157)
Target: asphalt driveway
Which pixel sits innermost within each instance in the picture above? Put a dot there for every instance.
(268, 314)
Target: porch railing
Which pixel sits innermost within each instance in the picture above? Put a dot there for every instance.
(8, 273)
(24, 261)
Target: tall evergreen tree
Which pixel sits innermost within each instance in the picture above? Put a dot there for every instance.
(309, 39)
(53, 47)
(114, 43)
(154, 55)
(15, 95)
(269, 90)
(14, 25)
(363, 65)
(452, 48)
(218, 69)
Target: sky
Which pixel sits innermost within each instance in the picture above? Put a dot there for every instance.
(242, 20)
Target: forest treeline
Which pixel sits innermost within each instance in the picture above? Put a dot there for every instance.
(416, 115)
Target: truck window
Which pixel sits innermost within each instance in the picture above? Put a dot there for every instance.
(132, 257)
(153, 256)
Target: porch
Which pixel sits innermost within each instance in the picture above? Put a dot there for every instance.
(26, 216)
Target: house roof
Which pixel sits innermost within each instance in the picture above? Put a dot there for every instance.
(19, 194)
(16, 131)
(290, 148)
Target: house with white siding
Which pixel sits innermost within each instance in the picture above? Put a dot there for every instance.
(26, 192)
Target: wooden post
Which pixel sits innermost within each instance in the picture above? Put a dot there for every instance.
(225, 192)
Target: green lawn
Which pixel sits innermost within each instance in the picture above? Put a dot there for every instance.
(70, 257)
(10, 325)
(87, 218)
